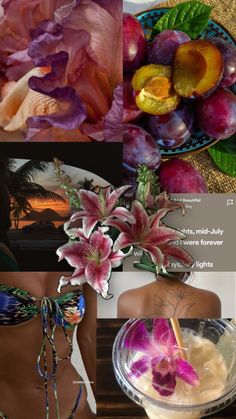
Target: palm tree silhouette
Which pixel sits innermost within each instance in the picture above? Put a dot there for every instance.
(22, 187)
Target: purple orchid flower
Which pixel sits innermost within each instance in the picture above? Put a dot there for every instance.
(150, 235)
(161, 355)
(99, 207)
(93, 260)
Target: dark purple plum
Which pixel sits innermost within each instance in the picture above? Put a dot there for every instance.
(179, 176)
(164, 45)
(139, 147)
(134, 43)
(173, 129)
(216, 115)
(130, 109)
(228, 53)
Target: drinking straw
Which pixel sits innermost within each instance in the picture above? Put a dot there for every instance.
(178, 335)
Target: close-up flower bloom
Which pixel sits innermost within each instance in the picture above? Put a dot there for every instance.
(93, 261)
(161, 354)
(61, 70)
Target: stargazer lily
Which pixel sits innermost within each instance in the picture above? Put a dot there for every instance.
(150, 235)
(161, 354)
(93, 261)
(99, 207)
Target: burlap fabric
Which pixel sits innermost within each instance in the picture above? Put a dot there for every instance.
(224, 12)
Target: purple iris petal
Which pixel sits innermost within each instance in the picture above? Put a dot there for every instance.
(44, 40)
(113, 122)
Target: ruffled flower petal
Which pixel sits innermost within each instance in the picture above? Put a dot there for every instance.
(164, 335)
(101, 243)
(113, 121)
(177, 253)
(74, 253)
(141, 218)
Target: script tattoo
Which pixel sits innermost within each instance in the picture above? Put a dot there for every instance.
(173, 306)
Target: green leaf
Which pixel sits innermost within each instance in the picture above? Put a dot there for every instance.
(223, 155)
(190, 17)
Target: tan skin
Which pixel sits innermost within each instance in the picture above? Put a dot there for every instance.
(168, 298)
(21, 387)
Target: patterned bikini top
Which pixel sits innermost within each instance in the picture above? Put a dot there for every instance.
(65, 311)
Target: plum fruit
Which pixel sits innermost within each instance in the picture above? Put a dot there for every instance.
(216, 115)
(164, 46)
(153, 89)
(139, 147)
(130, 109)
(228, 52)
(179, 176)
(173, 129)
(134, 43)
(198, 69)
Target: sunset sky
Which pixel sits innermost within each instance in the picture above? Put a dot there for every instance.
(46, 179)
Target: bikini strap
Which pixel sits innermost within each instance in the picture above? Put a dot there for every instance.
(48, 309)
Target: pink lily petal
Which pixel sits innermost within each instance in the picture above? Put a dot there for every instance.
(141, 218)
(77, 215)
(114, 196)
(164, 335)
(186, 372)
(155, 218)
(138, 338)
(122, 241)
(102, 243)
(74, 253)
(89, 223)
(163, 201)
(156, 255)
(98, 276)
(90, 202)
(123, 214)
(78, 278)
(177, 253)
(162, 235)
(120, 225)
(139, 367)
(117, 258)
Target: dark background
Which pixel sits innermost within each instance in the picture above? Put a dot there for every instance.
(102, 159)
(111, 401)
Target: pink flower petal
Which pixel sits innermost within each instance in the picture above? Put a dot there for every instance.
(138, 338)
(186, 372)
(74, 253)
(77, 215)
(141, 218)
(176, 253)
(102, 243)
(98, 276)
(90, 202)
(164, 381)
(162, 235)
(120, 225)
(123, 240)
(114, 196)
(117, 258)
(163, 201)
(89, 223)
(156, 255)
(155, 218)
(139, 367)
(164, 335)
(78, 278)
(123, 214)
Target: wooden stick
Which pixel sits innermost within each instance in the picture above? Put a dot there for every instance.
(179, 338)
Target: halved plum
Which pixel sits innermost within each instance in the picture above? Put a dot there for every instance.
(153, 89)
(198, 69)
(130, 110)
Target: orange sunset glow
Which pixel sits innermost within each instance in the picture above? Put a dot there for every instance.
(60, 207)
